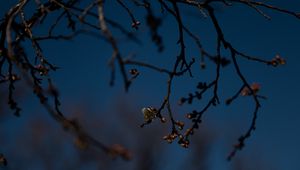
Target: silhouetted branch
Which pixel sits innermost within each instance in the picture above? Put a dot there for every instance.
(17, 28)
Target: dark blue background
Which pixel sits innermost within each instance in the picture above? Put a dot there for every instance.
(83, 81)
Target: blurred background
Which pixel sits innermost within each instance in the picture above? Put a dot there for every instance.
(36, 141)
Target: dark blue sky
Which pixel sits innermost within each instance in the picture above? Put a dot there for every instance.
(83, 80)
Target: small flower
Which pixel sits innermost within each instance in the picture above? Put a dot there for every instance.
(149, 113)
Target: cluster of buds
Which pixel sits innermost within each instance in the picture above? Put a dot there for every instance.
(255, 87)
(202, 87)
(179, 124)
(135, 24)
(184, 142)
(277, 60)
(171, 137)
(118, 150)
(43, 70)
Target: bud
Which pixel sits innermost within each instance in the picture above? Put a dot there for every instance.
(179, 124)
(133, 72)
(163, 120)
(135, 24)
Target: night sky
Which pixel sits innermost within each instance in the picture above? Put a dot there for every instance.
(83, 82)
